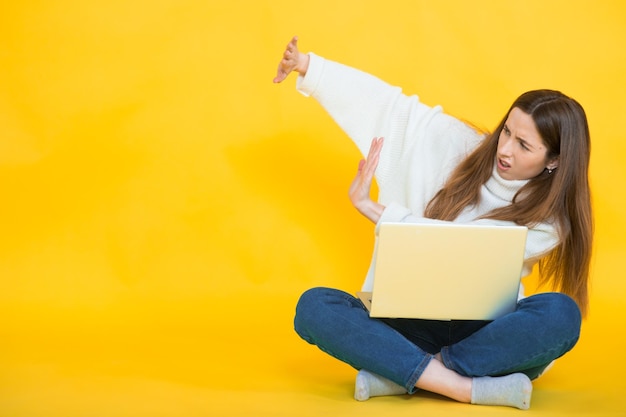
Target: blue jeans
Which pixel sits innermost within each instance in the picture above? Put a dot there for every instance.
(543, 328)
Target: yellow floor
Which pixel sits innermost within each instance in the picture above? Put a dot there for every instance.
(173, 360)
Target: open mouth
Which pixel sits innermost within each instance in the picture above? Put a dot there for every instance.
(503, 164)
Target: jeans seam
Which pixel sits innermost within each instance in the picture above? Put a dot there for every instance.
(417, 373)
(449, 363)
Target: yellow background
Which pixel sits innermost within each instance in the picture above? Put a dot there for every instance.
(164, 204)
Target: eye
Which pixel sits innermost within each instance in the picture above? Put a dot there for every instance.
(506, 130)
(523, 145)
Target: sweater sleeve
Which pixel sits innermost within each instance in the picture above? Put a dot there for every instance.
(421, 142)
(361, 104)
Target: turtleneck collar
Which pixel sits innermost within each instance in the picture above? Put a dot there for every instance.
(501, 188)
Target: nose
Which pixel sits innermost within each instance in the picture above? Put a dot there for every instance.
(504, 145)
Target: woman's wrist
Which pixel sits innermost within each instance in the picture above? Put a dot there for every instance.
(303, 64)
(371, 209)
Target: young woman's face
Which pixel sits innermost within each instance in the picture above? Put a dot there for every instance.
(521, 154)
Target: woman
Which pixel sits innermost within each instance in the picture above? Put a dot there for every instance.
(531, 171)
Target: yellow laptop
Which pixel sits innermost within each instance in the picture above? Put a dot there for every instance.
(446, 271)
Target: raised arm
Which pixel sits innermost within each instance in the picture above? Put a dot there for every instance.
(421, 142)
(363, 105)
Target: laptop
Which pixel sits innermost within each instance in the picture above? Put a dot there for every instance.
(446, 271)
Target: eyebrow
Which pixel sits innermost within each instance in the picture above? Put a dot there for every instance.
(524, 141)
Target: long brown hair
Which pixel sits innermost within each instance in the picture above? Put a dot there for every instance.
(561, 197)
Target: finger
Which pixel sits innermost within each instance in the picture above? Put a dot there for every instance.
(369, 168)
(292, 45)
(373, 157)
(379, 144)
(375, 148)
(284, 67)
(287, 63)
(280, 76)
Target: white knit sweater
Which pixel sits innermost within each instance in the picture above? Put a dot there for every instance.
(422, 147)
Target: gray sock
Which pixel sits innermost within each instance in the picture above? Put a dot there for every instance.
(369, 384)
(511, 390)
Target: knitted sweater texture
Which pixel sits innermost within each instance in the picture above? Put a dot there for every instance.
(422, 147)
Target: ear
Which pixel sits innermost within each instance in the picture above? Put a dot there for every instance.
(553, 163)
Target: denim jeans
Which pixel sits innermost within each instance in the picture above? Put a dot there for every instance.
(543, 328)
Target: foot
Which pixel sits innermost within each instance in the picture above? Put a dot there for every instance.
(369, 384)
(511, 390)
